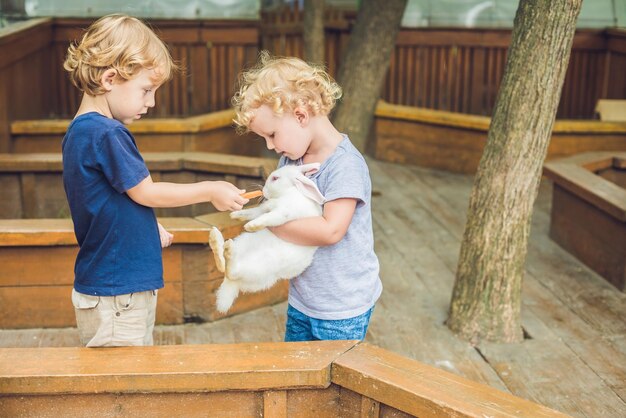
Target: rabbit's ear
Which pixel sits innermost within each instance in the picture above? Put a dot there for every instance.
(308, 169)
(307, 187)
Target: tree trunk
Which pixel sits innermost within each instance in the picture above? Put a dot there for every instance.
(314, 31)
(487, 292)
(364, 66)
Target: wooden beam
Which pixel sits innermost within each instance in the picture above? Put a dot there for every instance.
(54, 232)
(194, 124)
(168, 369)
(481, 123)
(423, 390)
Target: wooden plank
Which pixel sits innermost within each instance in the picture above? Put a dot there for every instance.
(37, 266)
(605, 360)
(526, 374)
(54, 232)
(30, 162)
(590, 234)
(369, 408)
(275, 403)
(204, 122)
(36, 232)
(159, 405)
(230, 36)
(423, 390)
(224, 164)
(50, 306)
(314, 403)
(163, 369)
(36, 306)
(186, 230)
(27, 195)
(468, 121)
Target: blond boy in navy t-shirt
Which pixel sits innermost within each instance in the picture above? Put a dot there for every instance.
(119, 64)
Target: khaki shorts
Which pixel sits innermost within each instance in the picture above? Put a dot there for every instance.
(113, 321)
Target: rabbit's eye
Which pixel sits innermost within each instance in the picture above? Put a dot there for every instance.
(274, 178)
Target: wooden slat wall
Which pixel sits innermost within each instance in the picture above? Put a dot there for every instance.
(460, 70)
(615, 83)
(24, 80)
(212, 53)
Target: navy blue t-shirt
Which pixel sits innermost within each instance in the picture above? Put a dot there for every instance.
(120, 249)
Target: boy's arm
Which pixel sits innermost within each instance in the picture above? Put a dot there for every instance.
(327, 229)
(223, 195)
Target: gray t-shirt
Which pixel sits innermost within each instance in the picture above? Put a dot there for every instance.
(342, 281)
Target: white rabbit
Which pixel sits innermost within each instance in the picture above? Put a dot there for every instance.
(256, 259)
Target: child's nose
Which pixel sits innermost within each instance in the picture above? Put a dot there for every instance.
(150, 102)
(269, 144)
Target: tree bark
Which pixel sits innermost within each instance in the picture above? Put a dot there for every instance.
(314, 31)
(487, 292)
(364, 66)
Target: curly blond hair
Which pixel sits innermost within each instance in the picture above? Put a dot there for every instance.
(118, 42)
(283, 83)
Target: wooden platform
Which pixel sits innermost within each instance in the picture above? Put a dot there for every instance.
(574, 359)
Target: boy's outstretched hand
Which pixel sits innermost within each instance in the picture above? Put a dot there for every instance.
(227, 196)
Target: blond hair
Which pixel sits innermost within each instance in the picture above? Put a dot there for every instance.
(118, 42)
(283, 83)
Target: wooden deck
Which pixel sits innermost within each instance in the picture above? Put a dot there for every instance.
(574, 356)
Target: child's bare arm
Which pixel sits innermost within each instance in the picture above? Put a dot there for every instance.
(327, 229)
(223, 195)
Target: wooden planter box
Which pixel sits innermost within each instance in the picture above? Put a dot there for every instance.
(589, 211)
(37, 275)
(455, 141)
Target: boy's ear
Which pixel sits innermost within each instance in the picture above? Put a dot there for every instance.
(301, 115)
(107, 79)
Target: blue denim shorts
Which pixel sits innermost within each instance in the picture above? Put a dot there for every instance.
(301, 327)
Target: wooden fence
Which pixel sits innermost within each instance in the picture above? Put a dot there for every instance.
(460, 69)
(445, 69)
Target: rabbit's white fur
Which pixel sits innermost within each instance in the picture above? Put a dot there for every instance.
(256, 259)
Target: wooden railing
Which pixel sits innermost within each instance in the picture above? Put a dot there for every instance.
(278, 380)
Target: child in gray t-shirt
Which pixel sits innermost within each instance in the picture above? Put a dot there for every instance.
(286, 101)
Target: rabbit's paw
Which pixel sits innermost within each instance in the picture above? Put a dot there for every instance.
(253, 226)
(216, 241)
(242, 215)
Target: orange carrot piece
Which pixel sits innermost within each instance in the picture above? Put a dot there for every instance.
(253, 194)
